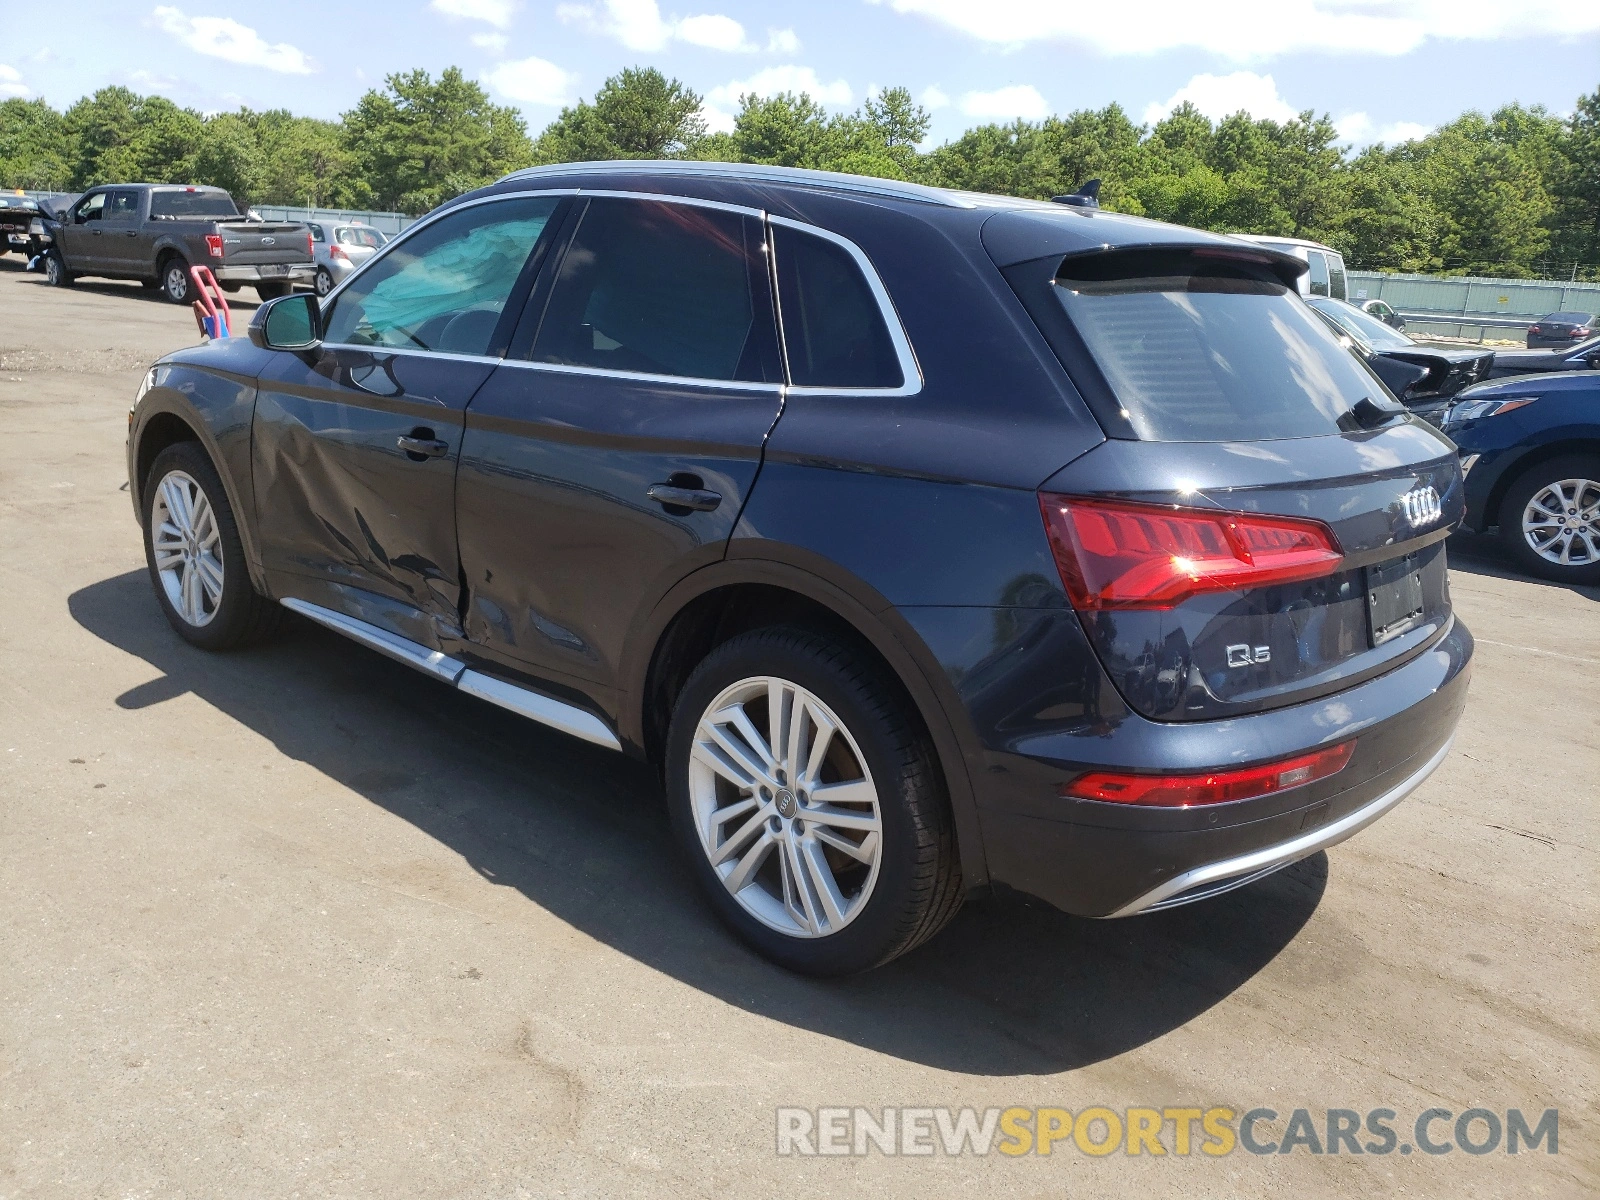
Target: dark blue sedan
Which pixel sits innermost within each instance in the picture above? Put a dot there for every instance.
(1530, 450)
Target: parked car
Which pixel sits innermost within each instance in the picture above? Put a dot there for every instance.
(1429, 375)
(1562, 330)
(1530, 452)
(1585, 356)
(340, 249)
(20, 216)
(1381, 311)
(923, 544)
(155, 232)
(1325, 274)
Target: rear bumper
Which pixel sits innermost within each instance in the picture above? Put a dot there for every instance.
(297, 273)
(1103, 860)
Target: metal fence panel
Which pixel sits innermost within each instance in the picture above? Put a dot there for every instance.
(1467, 296)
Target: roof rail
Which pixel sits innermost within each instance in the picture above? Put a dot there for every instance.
(755, 173)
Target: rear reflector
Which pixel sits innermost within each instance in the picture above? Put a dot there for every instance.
(1113, 554)
(1212, 787)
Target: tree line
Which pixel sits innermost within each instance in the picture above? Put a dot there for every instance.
(1514, 193)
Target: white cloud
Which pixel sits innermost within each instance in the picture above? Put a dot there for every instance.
(225, 38)
(531, 81)
(782, 41)
(713, 32)
(638, 25)
(1359, 129)
(1221, 96)
(1254, 29)
(11, 85)
(1004, 104)
(934, 97)
(494, 43)
(772, 80)
(495, 12)
(149, 81)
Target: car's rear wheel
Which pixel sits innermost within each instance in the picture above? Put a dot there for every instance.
(195, 556)
(810, 803)
(55, 271)
(175, 282)
(324, 281)
(1550, 519)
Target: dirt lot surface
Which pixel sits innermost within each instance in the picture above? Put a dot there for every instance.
(298, 922)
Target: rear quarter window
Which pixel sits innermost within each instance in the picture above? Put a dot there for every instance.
(833, 328)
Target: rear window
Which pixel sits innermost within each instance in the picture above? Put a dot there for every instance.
(1199, 349)
(1364, 327)
(187, 204)
(1570, 318)
(357, 235)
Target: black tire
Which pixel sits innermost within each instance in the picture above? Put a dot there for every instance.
(1584, 467)
(324, 281)
(175, 283)
(55, 271)
(271, 291)
(240, 615)
(918, 884)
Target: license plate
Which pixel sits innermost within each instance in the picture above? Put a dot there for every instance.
(1394, 598)
(274, 269)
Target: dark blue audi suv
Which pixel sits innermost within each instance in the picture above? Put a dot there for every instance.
(926, 541)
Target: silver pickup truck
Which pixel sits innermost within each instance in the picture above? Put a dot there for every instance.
(155, 232)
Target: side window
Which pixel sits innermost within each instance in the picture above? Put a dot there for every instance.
(93, 208)
(444, 288)
(1319, 272)
(317, 235)
(1337, 280)
(833, 329)
(123, 206)
(662, 289)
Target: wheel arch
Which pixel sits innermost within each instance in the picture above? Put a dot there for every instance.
(734, 595)
(1525, 462)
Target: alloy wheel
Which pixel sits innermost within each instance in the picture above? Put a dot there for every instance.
(324, 283)
(1562, 522)
(785, 807)
(177, 284)
(188, 548)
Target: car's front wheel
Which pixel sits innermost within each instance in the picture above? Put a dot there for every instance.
(810, 803)
(195, 556)
(1550, 519)
(55, 271)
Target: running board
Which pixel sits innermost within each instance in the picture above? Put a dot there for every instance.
(523, 701)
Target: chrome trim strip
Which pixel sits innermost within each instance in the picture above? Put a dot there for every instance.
(413, 654)
(523, 701)
(910, 372)
(540, 708)
(1242, 869)
(673, 380)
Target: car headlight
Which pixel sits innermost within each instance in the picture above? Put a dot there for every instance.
(1463, 411)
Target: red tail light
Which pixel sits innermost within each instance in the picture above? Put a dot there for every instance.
(1533, 329)
(214, 245)
(1113, 554)
(336, 252)
(311, 247)
(1210, 787)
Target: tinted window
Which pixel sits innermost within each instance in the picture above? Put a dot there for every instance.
(833, 329)
(445, 287)
(1319, 272)
(1201, 350)
(661, 289)
(124, 206)
(186, 205)
(316, 234)
(1336, 278)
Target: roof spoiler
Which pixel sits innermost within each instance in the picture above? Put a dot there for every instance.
(1087, 195)
(1286, 267)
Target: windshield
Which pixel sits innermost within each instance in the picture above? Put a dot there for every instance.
(192, 204)
(356, 235)
(1362, 326)
(1202, 349)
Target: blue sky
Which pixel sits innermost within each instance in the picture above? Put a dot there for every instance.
(1382, 68)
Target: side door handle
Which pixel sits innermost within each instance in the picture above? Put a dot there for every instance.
(693, 499)
(420, 444)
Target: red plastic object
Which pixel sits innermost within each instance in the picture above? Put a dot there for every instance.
(211, 311)
(1210, 787)
(1115, 554)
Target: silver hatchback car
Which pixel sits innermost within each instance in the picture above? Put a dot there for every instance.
(340, 249)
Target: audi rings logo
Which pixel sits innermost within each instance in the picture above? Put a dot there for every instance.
(1421, 506)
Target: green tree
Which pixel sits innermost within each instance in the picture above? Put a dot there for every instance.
(419, 142)
(637, 114)
(32, 146)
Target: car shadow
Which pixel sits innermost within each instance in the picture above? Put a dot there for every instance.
(1485, 554)
(1011, 987)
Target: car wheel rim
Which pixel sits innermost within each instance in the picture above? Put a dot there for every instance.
(52, 270)
(785, 807)
(177, 283)
(1561, 522)
(188, 548)
(324, 283)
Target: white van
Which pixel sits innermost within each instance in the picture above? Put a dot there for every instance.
(1326, 276)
